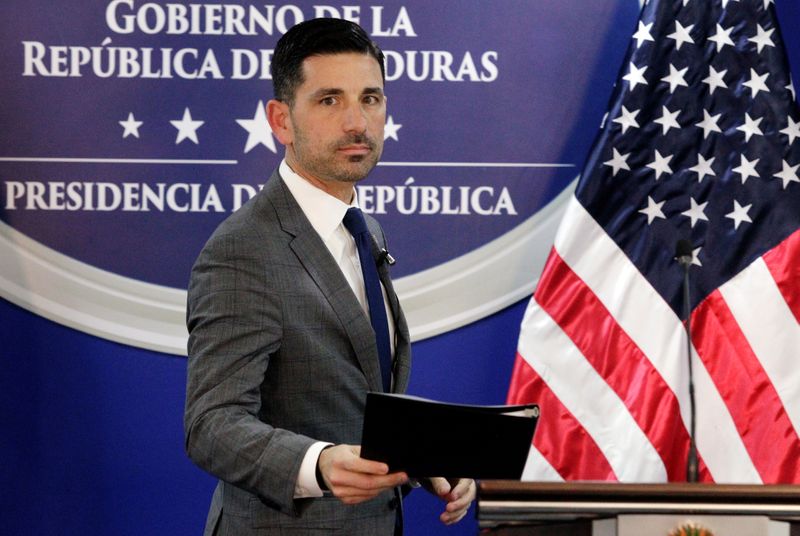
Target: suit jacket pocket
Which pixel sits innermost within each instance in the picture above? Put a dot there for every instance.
(322, 513)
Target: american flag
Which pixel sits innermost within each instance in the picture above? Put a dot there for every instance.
(701, 142)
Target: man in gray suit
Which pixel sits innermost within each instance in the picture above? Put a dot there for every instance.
(281, 348)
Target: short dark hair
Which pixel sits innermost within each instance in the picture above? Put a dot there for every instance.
(316, 37)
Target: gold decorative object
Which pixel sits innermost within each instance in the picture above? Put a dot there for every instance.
(690, 529)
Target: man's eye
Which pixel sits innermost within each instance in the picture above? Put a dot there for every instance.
(328, 101)
(371, 99)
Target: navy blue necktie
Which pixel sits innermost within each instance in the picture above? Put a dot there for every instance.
(355, 223)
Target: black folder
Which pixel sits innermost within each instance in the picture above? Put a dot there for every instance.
(426, 438)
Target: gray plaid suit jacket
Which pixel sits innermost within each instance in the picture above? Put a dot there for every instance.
(281, 354)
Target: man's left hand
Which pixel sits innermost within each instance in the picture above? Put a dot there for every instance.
(457, 493)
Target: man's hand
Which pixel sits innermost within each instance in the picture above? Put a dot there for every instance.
(353, 479)
(457, 493)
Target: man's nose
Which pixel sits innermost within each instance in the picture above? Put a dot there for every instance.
(355, 119)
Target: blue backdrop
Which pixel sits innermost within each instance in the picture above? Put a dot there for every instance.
(93, 439)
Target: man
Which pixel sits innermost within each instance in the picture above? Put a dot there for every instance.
(282, 350)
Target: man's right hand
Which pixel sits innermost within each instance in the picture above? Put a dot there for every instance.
(353, 479)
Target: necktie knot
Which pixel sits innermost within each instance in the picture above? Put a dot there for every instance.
(354, 221)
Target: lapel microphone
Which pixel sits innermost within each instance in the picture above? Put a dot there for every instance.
(384, 256)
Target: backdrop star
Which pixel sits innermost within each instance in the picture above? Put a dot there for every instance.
(130, 126)
(187, 127)
(258, 131)
(390, 129)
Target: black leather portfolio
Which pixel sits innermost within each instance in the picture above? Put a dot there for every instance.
(426, 438)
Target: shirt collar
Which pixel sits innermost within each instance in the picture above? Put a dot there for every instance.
(324, 211)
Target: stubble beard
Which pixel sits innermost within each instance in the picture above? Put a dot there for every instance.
(325, 164)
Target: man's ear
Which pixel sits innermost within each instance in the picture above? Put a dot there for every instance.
(280, 122)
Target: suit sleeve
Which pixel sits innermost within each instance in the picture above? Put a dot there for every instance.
(234, 323)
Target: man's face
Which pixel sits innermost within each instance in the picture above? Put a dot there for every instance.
(337, 118)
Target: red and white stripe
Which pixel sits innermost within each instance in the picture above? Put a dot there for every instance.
(604, 356)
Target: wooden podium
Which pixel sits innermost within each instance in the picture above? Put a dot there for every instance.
(511, 508)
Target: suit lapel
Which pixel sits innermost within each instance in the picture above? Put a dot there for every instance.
(322, 268)
(402, 357)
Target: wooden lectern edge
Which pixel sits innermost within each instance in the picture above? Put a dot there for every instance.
(503, 502)
(758, 493)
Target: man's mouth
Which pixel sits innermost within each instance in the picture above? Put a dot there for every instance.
(355, 149)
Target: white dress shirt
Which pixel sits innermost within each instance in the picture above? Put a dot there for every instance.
(325, 213)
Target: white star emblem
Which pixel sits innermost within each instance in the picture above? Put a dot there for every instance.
(789, 174)
(725, 2)
(653, 210)
(768, 2)
(390, 129)
(668, 120)
(714, 79)
(131, 126)
(619, 161)
(187, 128)
(703, 167)
(643, 34)
(627, 119)
(739, 214)
(792, 130)
(696, 257)
(762, 39)
(635, 76)
(757, 82)
(696, 212)
(750, 127)
(660, 164)
(681, 35)
(675, 78)
(722, 37)
(258, 131)
(709, 123)
(790, 87)
(746, 168)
